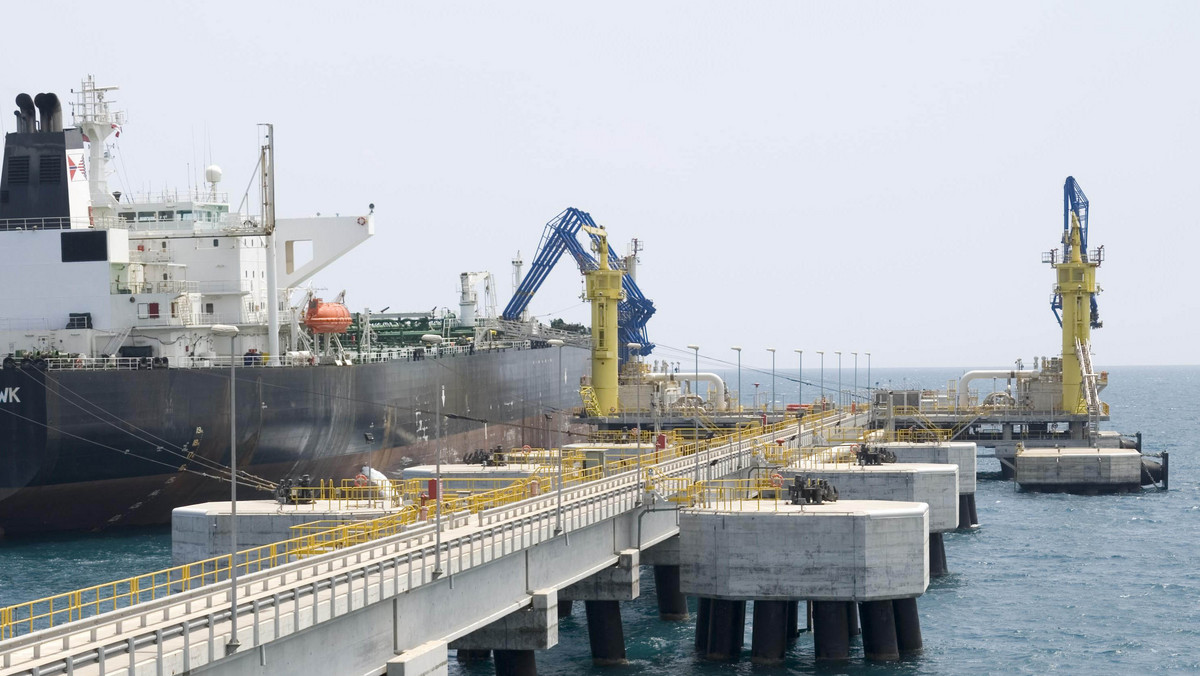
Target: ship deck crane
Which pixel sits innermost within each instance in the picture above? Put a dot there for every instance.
(561, 235)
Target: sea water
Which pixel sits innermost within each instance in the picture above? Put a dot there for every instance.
(1049, 583)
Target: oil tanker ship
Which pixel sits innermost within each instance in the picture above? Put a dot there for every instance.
(114, 392)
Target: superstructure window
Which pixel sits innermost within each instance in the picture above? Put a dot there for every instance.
(215, 243)
(127, 216)
(166, 215)
(82, 247)
(145, 217)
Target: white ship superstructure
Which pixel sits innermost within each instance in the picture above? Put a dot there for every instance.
(144, 278)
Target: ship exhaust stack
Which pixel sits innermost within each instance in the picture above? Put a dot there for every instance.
(26, 118)
(50, 110)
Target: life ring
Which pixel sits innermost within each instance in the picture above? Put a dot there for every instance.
(777, 480)
(362, 220)
(78, 363)
(361, 480)
(527, 447)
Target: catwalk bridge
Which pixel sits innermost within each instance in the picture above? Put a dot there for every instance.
(392, 605)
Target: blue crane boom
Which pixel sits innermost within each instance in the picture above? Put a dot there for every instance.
(1075, 202)
(561, 235)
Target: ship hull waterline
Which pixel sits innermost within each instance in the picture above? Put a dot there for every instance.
(87, 450)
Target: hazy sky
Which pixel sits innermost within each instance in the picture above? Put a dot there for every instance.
(876, 177)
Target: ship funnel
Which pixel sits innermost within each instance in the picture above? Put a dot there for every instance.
(50, 110)
(26, 120)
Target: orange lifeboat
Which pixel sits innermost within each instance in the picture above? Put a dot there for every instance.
(323, 317)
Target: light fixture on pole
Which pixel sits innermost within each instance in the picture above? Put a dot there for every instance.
(854, 398)
(696, 419)
(232, 331)
(839, 399)
(822, 353)
(800, 382)
(434, 340)
(555, 342)
(738, 349)
(772, 351)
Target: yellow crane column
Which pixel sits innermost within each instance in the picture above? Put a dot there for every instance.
(1076, 286)
(604, 292)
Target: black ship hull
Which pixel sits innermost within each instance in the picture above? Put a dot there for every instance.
(96, 449)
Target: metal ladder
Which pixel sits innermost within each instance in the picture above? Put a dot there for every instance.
(1091, 393)
(116, 341)
(590, 403)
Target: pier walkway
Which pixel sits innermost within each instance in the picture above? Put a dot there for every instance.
(394, 600)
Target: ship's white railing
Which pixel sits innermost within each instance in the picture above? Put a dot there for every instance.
(51, 223)
(226, 286)
(259, 360)
(225, 224)
(161, 286)
(173, 197)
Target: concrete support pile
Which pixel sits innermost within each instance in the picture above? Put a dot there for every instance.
(602, 594)
(513, 638)
(672, 603)
(835, 555)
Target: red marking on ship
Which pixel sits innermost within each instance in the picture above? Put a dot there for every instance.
(76, 167)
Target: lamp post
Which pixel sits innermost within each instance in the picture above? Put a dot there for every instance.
(555, 342)
(696, 419)
(433, 340)
(822, 353)
(635, 349)
(232, 331)
(869, 390)
(738, 349)
(800, 380)
(839, 399)
(855, 397)
(772, 351)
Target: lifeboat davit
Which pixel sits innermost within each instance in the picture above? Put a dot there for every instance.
(323, 317)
